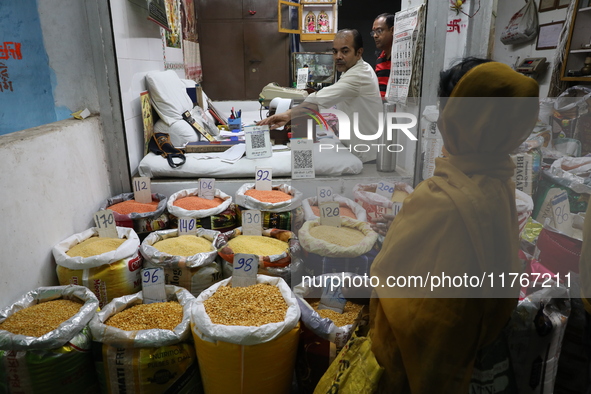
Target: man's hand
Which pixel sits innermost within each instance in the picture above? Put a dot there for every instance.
(382, 224)
(276, 120)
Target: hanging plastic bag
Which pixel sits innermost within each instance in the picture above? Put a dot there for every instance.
(523, 25)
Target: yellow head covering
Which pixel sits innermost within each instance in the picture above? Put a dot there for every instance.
(462, 221)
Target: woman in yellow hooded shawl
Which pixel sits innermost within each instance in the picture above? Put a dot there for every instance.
(460, 223)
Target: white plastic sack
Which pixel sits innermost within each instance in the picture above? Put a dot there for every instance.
(203, 213)
(523, 25)
(357, 209)
(243, 335)
(252, 203)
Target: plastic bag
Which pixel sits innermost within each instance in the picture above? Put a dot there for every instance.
(354, 371)
(523, 25)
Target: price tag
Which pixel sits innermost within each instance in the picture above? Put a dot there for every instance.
(324, 194)
(187, 226)
(207, 188)
(385, 189)
(332, 298)
(142, 190)
(258, 142)
(105, 224)
(302, 158)
(330, 214)
(252, 222)
(245, 268)
(263, 179)
(153, 285)
(561, 213)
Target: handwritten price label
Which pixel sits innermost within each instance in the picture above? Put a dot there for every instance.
(105, 224)
(332, 298)
(330, 214)
(245, 268)
(153, 285)
(142, 191)
(187, 226)
(324, 194)
(385, 189)
(252, 222)
(207, 188)
(561, 212)
(263, 178)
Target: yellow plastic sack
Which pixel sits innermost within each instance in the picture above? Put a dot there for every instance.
(355, 370)
(264, 368)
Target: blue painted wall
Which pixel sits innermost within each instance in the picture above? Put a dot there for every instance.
(26, 93)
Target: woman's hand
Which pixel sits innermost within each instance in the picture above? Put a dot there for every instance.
(382, 224)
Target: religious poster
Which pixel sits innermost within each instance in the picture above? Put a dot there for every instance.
(407, 51)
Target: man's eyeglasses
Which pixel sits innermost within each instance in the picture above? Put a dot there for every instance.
(376, 32)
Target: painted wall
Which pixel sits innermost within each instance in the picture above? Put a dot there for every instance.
(45, 66)
(54, 177)
(512, 54)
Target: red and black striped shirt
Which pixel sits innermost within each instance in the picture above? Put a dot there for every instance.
(383, 72)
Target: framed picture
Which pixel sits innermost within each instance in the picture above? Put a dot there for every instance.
(562, 3)
(548, 35)
(320, 65)
(547, 5)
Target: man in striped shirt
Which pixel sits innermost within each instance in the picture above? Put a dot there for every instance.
(382, 32)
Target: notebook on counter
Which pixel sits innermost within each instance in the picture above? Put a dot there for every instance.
(206, 146)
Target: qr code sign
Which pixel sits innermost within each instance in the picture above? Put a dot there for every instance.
(257, 141)
(302, 159)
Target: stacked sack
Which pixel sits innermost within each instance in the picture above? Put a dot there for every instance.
(280, 207)
(142, 217)
(109, 267)
(188, 261)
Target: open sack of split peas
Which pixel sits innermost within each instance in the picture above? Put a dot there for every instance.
(45, 342)
(188, 261)
(246, 337)
(274, 247)
(146, 348)
(216, 214)
(348, 208)
(375, 204)
(142, 217)
(280, 207)
(110, 267)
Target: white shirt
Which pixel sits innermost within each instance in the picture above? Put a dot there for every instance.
(357, 90)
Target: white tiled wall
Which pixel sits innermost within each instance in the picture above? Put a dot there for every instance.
(138, 46)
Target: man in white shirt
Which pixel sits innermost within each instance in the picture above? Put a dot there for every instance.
(356, 91)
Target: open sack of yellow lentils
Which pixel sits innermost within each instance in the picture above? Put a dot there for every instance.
(110, 267)
(349, 248)
(188, 261)
(280, 207)
(218, 213)
(45, 344)
(274, 247)
(246, 337)
(146, 348)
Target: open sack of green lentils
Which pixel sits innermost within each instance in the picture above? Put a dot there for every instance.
(45, 343)
(216, 214)
(188, 261)
(146, 348)
(280, 207)
(246, 337)
(142, 217)
(110, 267)
(349, 248)
(274, 247)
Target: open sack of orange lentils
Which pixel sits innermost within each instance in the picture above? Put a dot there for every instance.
(142, 217)
(45, 342)
(348, 208)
